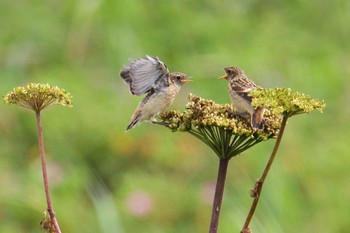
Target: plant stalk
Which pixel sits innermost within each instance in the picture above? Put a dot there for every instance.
(44, 172)
(256, 191)
(219, 192)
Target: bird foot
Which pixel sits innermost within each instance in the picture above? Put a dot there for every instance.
(166, 124)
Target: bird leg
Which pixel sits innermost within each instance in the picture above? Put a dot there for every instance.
(161, 123)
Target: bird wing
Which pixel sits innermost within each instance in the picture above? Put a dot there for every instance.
(244, 94)
(243, 87)
(145, 74)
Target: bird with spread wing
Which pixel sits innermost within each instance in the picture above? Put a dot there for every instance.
(149, 75)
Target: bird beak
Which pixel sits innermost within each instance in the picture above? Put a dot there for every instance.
(224, 77)
(187, 80)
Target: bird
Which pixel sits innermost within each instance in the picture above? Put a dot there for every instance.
(239, 86)
(149, 75)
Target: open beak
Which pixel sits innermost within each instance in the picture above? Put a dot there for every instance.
(186, 80)
(224, 77)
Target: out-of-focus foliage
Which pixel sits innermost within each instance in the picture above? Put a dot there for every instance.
(105, 180)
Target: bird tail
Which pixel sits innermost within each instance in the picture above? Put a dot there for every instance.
(135, 120)
(257, 119)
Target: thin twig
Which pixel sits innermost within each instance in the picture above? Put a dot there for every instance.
(256, 191)
(44, 171)
(219, 192)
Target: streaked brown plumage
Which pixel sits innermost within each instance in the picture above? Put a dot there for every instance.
(239, 87)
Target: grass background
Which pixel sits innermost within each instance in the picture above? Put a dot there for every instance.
(105, 180)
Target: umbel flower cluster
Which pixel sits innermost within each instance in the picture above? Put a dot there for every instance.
(229, 134)
(217, 126)
(37, 96)
(286, 102)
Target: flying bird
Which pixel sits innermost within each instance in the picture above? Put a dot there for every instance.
(149, 75)
(239, 86)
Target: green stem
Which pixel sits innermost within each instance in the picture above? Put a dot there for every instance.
(44, 172)
(233, 141)
(203, 136)
(219, 192)
(256, 191)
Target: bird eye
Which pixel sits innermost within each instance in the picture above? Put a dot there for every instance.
(178, 77)
(228, 71)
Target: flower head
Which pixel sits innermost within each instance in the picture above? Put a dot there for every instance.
(216, 125)
(229, 134)
(285, 101)
(38, 96)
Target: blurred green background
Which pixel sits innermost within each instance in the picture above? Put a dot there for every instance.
(150, 179)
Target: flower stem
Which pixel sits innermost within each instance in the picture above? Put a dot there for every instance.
(256, 191)
(44, 171)
(219, 192)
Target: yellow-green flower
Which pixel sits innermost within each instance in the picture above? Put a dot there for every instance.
(216, 125)
(229, 134)
(38, 96)
(285, 101)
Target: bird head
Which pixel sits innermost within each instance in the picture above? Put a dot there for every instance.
(179, 78)
(232, 72)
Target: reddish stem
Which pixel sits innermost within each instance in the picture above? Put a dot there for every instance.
(219, 192)
(44, 171)
(256, 191)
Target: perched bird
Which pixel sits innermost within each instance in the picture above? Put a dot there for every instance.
(239, 86)
(150, 75)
